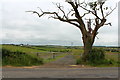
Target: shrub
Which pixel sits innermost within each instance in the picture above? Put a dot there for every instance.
(96, 56)
(79, 61)
(19, 59)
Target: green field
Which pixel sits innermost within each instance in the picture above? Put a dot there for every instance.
(51, 53)
(44, 52)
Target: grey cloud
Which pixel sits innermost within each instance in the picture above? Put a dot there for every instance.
(21, 27)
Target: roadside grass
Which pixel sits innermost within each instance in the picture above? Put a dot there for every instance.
(19, 59)
(0, 55)
(112, 56)
(0, 46)
(77, 52)
(112, 60)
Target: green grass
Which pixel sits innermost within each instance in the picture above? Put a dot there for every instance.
(53, 59)
(52, 49)
(61, 51)
(30, 54)
(19, 59)
(20, 48)
(0, 55)
(112, 56)
(24, 49)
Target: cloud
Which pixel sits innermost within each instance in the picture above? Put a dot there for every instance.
(21, 27)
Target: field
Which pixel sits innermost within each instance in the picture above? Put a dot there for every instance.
(47, 53)
(52, 53)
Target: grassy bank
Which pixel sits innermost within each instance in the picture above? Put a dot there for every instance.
(110, 59)
(19, 58)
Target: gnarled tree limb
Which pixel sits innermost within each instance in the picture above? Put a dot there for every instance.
(78, 20)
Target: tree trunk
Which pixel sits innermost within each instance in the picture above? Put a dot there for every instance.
(88, 43)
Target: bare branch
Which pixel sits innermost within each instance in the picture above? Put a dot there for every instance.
(56, 16)
(101, 8)
(90, 12)
(98, 26)
(75, 9)
(85, 14)
(108, 24)
(35, 12)
(80, 21)
(68, 21)
(69, 12)
(40, 9)
(102, 23)
(59, 7)
(111, 11)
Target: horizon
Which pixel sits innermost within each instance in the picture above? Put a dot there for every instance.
(58, 45)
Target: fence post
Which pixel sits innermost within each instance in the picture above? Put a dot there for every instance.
(53, 55)
(37, 54)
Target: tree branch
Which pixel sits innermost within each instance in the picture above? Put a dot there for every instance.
(59, 7)
(90, 12)
(43, 13)
(71, 21)
(111, 11)
(108, 24)
(70, 12)
(85, 14)
(78, 21)
(101, 8)
(97, 27)
(75, 9)
(77, 15)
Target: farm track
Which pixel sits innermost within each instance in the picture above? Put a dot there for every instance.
(65, 61)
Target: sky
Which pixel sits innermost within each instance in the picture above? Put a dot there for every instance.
(20, 27)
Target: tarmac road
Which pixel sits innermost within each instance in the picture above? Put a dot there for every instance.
(111, 72)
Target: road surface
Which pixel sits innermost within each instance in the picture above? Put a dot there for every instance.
(111, 72)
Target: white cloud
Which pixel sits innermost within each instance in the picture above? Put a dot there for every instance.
(22, 27)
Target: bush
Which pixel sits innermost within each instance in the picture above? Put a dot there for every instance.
(19, 59)
(79, 61)
(96, 56)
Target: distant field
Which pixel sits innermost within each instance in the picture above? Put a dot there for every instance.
(41, 50)
(21, 48)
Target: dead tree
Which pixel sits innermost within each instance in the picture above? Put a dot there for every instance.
(96, 9)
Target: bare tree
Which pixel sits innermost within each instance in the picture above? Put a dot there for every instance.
(97, 9)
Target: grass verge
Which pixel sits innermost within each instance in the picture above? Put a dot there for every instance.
(19, 59)
(98, 58)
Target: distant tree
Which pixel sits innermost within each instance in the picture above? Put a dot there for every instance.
(97, 12)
